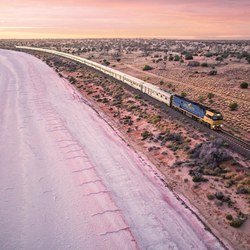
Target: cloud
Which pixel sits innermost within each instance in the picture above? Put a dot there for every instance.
(23, 27)
(95, 18)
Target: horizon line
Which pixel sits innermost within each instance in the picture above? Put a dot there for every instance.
(147, 37)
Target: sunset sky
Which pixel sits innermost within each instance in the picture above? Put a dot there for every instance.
(191, 19)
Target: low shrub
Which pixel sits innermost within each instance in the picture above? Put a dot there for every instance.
(219, 58)
(178, 138)
(199, 179)
(208, 54)
(237, 222)
(193, 64)
(210, 196)
(210, 95)
(107, 63)
(243, 190)
(201, 99)
(138, 97)
(219, 195)
(176, 58)
(183, 94)
(72, 80)
(212, 72)
(171, 58)
(204, 64)
(233, 106)
(229, 217)
(147, 67)
(146, 134)
(218, 203)
(244, 85)
(189, 56)
(155, 119)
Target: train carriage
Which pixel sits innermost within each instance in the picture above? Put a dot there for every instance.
(157, 93)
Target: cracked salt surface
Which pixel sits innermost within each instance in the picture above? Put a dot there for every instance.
(69, 182)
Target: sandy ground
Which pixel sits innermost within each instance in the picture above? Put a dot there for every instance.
(117, 104)
(68, 181)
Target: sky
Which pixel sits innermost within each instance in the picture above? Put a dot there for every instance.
(171, 19)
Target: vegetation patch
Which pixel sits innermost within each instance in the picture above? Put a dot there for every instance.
(147, 67)
(233, 106)
(244, 85)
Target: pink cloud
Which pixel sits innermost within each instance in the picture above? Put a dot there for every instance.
(95, 18)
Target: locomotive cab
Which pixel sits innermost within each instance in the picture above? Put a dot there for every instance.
(214, 119)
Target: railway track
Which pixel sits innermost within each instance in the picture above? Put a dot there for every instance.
(236, 144)
(244, 145)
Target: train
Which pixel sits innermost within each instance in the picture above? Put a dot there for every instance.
(209, 117)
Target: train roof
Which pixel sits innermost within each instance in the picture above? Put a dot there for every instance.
(148, 85)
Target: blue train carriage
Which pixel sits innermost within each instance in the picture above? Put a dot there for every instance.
(210, 117)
